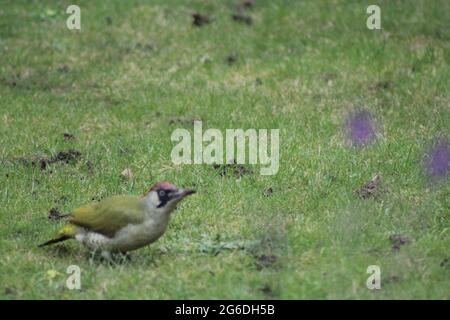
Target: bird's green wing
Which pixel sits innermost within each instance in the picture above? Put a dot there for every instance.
(110, 215)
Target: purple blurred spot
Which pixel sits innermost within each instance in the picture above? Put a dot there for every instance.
(360, 128)
(437, 163)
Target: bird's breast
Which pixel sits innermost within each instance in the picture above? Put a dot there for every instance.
(135, 236)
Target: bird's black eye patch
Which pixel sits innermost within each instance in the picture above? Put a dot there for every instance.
(164, 197)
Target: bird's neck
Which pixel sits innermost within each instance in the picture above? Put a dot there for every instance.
(153, 212)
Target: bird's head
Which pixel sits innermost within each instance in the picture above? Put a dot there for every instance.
(163, 196)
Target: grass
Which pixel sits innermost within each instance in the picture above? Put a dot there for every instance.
(122, 87)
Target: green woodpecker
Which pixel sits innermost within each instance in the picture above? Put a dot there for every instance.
(123, 223)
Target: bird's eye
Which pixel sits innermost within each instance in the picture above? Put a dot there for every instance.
(161, 193)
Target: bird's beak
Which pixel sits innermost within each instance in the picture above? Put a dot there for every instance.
(184, 192)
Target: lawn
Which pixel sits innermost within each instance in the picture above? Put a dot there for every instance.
(108, 97)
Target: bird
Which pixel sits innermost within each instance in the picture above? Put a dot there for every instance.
(122, 223)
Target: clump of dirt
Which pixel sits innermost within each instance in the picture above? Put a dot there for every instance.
(11, 81)
(18, 79)
(144, 47)
(238, 170)
(10, 291)
(90, 167)
(239, 14)
(370, 189)
(272, 243)
(98, 198)
(63, 68)
(265, 261)
(246, 4)
(267, 290)
(65, 156)
(184, 120)
(392, 279)
(55, 214)
(398, 240)
(268, 192)
(61, 200)
(25, 79)
(43, 162)
(198, 19)
(382, 85)
(238, 17)
(231, 59)
(329, 77)
(68, 136)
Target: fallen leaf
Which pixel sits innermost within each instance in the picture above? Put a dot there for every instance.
(126, 173)
(369, 188)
